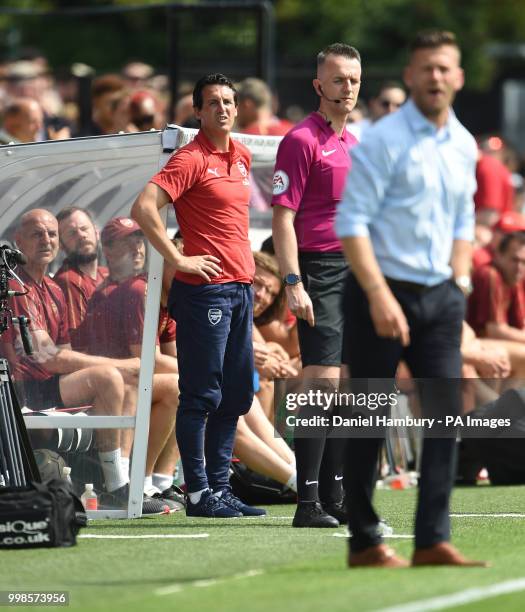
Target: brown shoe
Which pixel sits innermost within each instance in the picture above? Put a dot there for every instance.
(443, 553)
(376, 556)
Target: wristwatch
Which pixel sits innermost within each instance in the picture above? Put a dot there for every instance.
(292, 279)
(464, 283)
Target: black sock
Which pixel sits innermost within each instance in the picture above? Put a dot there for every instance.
(308, 455)
(331, 471)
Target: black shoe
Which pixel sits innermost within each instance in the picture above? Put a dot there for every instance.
(152, 505)
(118, 499)
(175, 496)
(338, 511)
(234, 502)
(311, 514)
(114, 500)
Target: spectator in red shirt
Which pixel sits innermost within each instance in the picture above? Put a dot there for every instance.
(116, 324)
(80, 273)
(496, 307)
(211, 294)
(55, 375)
(255, 113)
(495, 194)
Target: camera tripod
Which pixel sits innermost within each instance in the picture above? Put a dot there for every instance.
(17, 463)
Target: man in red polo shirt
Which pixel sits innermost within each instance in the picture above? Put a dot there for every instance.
(80, 274)
(496, 307)
(211, 295)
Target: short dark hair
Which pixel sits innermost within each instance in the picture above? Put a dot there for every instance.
(338, 49)
(211, 79)
(384, 85)
(506, 241)
(66, 212)
(432, 39)
(108, 83)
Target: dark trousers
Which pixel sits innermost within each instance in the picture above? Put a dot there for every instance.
(215, 355)
(435, 318)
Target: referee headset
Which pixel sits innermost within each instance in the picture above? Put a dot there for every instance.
(319, 91)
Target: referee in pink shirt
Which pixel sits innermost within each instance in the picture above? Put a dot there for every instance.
(310, 173)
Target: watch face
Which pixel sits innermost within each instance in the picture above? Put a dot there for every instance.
(292, 279)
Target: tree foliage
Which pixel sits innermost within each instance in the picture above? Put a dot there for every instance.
(380, 29)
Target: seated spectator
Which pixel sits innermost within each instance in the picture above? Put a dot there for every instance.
(55, 375)
(508, 223)
(485, 364)
(276, 351)
(254, 111)
(23, 121)
(271, 316)
(496, 307)
(80, 273)
(116, 324)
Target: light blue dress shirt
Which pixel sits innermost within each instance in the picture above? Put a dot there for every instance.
(411, 191)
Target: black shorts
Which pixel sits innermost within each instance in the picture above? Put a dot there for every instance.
(324, 277)
(40, 394)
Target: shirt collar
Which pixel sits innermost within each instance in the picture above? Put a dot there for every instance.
(205, 143)
(321, 122)
(419, 123)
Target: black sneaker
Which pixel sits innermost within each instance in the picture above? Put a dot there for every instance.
(114, 500)
(170, 505)
(338, 511)
(234, 502)
(210, 506)
(175, 495)
(153, 505)
(311, 514)
(118, 499)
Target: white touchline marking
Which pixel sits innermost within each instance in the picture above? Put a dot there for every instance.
(149, 536)
(460, 598)
(497, 515)
(177, 587)
(399, 536)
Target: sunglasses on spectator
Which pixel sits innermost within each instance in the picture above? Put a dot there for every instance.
(389, 104)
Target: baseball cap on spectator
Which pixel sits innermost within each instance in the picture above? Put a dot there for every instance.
(118, 228)
(510, 221)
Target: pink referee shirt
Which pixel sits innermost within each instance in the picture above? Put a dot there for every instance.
(310, 174)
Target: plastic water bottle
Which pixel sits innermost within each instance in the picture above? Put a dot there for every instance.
(66, 474)
(89, 498)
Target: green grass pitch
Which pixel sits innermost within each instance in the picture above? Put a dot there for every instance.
(252, 565)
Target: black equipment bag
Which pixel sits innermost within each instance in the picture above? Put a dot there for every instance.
(40, 515)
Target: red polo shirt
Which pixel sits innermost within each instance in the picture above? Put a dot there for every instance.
(45, 306)
(493, 301)
(116, 318)
(211, 192)
(78, 289)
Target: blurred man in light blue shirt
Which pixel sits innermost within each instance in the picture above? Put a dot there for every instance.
(406, 223)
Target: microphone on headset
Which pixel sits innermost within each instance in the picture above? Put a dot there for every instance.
(322, 94)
